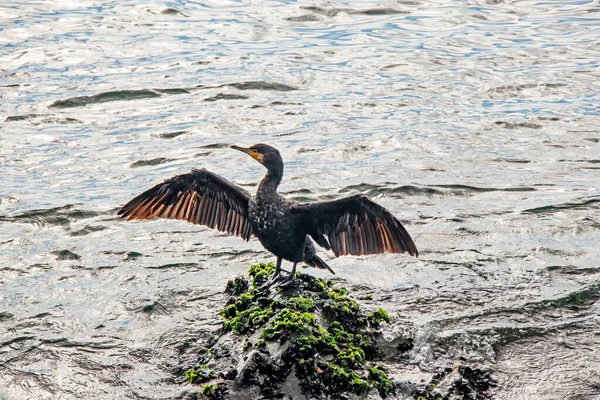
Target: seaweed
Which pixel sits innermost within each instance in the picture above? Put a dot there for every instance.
(378, 316)
(313, 331)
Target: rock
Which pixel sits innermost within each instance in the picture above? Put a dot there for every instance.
(312, 341)
(308, 341)
(460, 383)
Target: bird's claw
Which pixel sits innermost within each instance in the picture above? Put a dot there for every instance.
(272, 281)
(285, 282)
(278, 281)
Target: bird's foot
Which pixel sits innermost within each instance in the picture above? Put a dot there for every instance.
(271, 281)
(285, 282)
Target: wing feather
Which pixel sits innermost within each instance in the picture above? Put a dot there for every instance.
(230, 214)
(355, 225)
(199, 197)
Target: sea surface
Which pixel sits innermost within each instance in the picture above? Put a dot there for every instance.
(477, 123)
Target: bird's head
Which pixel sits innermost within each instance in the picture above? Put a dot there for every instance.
(264, 154)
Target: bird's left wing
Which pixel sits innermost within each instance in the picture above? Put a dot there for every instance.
(199, 197)
(355, 225)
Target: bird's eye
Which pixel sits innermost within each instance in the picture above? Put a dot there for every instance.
(254, 152)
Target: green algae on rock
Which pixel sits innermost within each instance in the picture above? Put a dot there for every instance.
(378, 316)
(310, 340)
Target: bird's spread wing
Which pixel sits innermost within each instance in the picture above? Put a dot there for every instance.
(355, 225)
(199, 197)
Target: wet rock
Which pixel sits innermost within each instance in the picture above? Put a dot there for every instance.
(307, 341)
(312, 341)
(462, 383)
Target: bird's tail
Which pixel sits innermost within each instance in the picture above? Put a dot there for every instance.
(317, 262)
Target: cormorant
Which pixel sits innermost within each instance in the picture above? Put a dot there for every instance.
(352, 225)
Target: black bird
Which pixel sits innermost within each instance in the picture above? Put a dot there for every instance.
(352, 225)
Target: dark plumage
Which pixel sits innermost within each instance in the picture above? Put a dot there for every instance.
(352, 225)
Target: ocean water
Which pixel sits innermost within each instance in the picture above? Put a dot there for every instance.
(475, 122)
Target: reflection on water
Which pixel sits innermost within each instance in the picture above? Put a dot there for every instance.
(474, 122)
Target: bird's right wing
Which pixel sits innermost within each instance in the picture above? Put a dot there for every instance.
(355, 225)
(199, 197)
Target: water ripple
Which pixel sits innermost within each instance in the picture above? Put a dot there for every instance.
(475, 123)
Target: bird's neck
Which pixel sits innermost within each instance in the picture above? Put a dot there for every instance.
(268, 185)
